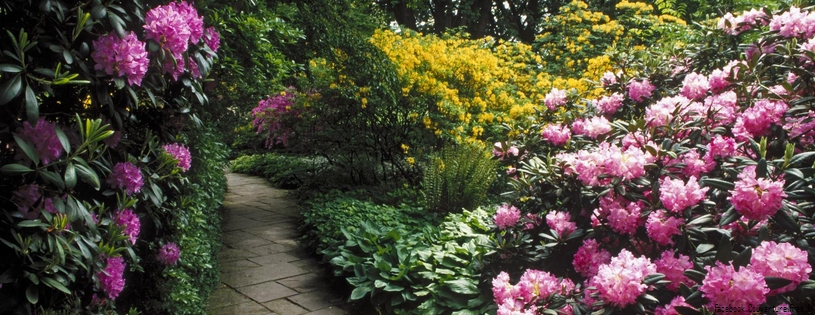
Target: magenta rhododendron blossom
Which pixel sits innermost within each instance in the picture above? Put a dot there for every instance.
(537, 284)
(556, 134)
(640, 90)
(501, 288)
(212, 38)
(168, 254)
(670, 309)
(662, 226)
(607, 105)
(555, 98)
(589, 257)
(673, 268)
(782, 260)
(560, 222)
(723, 285)
(111, 278)
(129, 222)
(756, 121)
(507, 216)
(619, 282)
(517, 307)
(499, 152)
(26, 197)
(270, 114)
(756, 199)
(793, 23)
(591, 127)
(735, 25)
(174, 26)
(720, 147)
(608, 78)
(121, 57)
(695, 86)
(181, 154)
(661, 113)
(676, 195)
(802, 127)
(44, 139)
(126, 176)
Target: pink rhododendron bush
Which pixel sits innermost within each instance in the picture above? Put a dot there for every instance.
(94, 99)
(683, 191)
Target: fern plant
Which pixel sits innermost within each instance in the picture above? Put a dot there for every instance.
(458, 178)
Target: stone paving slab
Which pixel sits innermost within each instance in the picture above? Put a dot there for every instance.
(264, 270)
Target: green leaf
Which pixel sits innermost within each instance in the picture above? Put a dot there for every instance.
(70, 176)
(10, 68)
(15, 169)
(701, 220)
(653, 278)
(88, 176)
(463, 286)
(27, 149)
(723, 253)
(32, 294)
(32, 106)
(55, 284)
(694, 275)
(359, 292)
(776, 282)
(53, 178)
(704, 248)
(63, 139)
(717, 183)
(785, 220)
(743, 258)
(31, 223)
(10, 89)
(730, 216)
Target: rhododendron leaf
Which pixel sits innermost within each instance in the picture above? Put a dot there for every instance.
(786, 221)
(31, 223)
(807, 288)
(70, 176)
(694, 275)
(730, 216)
(743, 258)
(761, 168)
(10, 89)
(32, 294)
(796, 173)
(88, 175)
(724, 252)
(801, 156)
(653, 278)
(15, 169)
(63, 139)
(53, 178)
(684, 310)
(702, 220)
(776, 282)
(704, 248)
(695, 299)
(55, 284)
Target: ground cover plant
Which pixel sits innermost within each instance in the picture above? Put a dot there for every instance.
(683, 192)
(109, 182)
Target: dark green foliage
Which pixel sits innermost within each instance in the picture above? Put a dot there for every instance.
(283, 171)
(458, 178)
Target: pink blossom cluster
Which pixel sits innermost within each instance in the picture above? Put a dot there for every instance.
(695, 86)
(606, 159)
(533, 286)
(129, 222)
(720, 147)
(794, 23)
(640, 90)
(168, 254)
(756, 121)
(44, 139)
(723, 108)
(735, 25)
(26, 198)
(589, 257)
(270, 114)
(756, 198)
(499, 152)
(174, 26)
(662, 112)
(180, 153)
(608, 78)
(212, 38)
(676, 195)
(556, 97)
(560, 222)
(673, 268)
(127, 176)
(723, 285)
(121, 56)
(782, 260)
(111, 278)
(506, 216)
(622, 215)
(619, 282)
(802, 127)
(670, 308)
(694, 165)
(661, 226)
(556, 134)
(607, 105)
(591, 127)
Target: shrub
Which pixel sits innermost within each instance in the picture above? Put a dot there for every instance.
(458, 178)
(678, 205)
(283, 171)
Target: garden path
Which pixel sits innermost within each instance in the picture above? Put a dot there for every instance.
(263, 269)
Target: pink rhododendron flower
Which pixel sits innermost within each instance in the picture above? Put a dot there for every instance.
(662, 112)
(212, 38)
(506, 216)
(782, 260)
(676, 195)
(168, 254)
(110, 279)
(718, 80)
(533, 220)
(129, 222)
(792, 23)
(673, 268)
(619, 282)
(174, 26)
(500, 153)
(26, 197)
(607, 105)
(608, 78)
(802, 127)
(639, 91)
(121, 57)
(723, 107)
(589, 257)
(591, 127)
(511, 307)
(555, 98)
(560, 222)
(661, 227)
(556, 134)
(501, 288)
(625, 220)
(179, 153)
(756, 121)
(127, 176)
(537, 284)
(756, 199)
(723, 285)
(670, 309)
(695, 86)
(746, 21)
(44, 139)
(720, 146)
